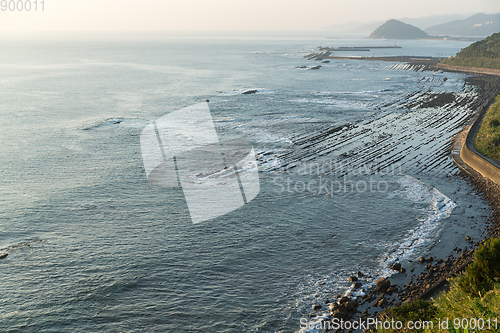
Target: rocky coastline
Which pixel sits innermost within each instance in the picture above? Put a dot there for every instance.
(428, 276)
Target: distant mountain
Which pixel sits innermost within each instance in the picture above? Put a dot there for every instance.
(430, 21)
(394, 29)
(476, 25)
(369, 27)
(485, 53)
(352, 26)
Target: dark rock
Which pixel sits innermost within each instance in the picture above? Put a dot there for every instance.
(335, 306)
(393, 289)
(339, 314)
(430, 259)
(396, 266)
(3, 255)
(353, 279)
(383, 284)
(360, 274)
(382, 302)
(421, 259)
(316, 307)
(344, 299)
(351, 306)
(357, 285)
(467, 238)
(248, 92)
(439, 261)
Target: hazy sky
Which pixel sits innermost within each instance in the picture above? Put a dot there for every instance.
(118, 15)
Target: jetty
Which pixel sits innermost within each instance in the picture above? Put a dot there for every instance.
(325, 52)
(358, 48)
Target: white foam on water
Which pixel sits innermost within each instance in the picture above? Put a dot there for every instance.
(269, 163)
(119, 122)
(255, 129)
(259, 91)
(334, 102)
(439, 207)
(260, 135)
(366, 92)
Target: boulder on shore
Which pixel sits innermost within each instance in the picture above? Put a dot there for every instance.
(396, 266)
(383, 284)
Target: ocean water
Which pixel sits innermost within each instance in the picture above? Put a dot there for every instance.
(94, 247)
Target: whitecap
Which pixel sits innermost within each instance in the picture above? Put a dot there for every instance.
(258, 91)
(439, 207)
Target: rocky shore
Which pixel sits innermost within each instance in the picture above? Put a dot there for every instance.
(428, 276)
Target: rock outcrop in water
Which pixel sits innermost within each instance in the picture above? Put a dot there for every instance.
(394, 29)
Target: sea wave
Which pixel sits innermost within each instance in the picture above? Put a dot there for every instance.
(438, 208)
(258, 91)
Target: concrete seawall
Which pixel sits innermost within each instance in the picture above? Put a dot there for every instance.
(470, 70)
(483, 165)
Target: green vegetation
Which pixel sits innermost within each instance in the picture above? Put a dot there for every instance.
(457, 304)
(484, 272)
(418, 310)
(473, 296)
(485, 53)
(487, 140)
(394, 29)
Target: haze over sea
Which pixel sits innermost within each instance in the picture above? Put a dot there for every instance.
(94, 247)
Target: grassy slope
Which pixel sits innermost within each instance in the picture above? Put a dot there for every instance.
(487, 140)
(476, 294)
(485, 53)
